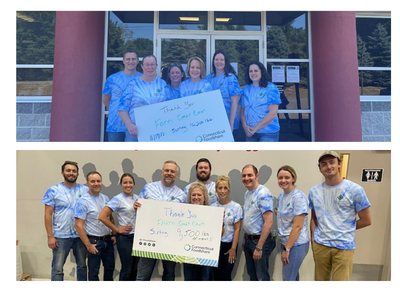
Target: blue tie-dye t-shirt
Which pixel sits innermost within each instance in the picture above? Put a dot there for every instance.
(336, 209)
(63, 199)
(256, 203)
(114, 86)
(140, 93)
(157, 191)
(256, 101)
(289, 206)
(233, 214)
(189, 88)
(171, 93)
(229, 86)
(122, 206)
(88, 208)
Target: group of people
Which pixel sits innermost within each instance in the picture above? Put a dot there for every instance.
(80, 217)
(256, 107)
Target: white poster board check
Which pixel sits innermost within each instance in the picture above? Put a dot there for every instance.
(197, 118)
(179, 232)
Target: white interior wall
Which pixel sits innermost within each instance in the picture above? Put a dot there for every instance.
(38, 170)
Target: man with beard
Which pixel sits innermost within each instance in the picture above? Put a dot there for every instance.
(59, 221)
(203, 173)
(163, 190)
(335, 205)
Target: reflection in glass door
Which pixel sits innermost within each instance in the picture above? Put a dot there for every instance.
(179, 50)
(241, 52)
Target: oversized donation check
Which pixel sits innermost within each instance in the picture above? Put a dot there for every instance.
(185, 233)
(197, 118)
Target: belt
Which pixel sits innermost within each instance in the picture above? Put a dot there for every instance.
(99, 238)
(252, 237)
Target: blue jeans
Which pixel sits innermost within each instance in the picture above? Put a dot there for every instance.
(130, 138)
(258, 269)
(116, 136)
(128, 262)
(146, 267)
(224, 270)
(197, 272)
(297, 254)
(60, 256)
(264, 137)
(105, 255)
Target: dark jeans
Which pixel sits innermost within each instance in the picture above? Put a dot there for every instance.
(197, 272)
(128, 262)
(224, 270)
(258, 269)
(146, 267)
(60, 256)
(106, 256)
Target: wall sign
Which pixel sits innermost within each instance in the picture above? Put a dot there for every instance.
(372, 175)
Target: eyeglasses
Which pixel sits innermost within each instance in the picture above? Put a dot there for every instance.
(175, 65)
(149, 65)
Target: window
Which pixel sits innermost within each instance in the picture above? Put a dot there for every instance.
(288, 64)
(374, 55)
(238, 21)
(183, 20)
(35, 55)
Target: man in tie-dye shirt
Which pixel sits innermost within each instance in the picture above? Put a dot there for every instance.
(163, 190)
(257, 222)
(59, 202)
(335, 205)
(113, 88)
(203, 172)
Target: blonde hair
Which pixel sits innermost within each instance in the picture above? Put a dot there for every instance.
(223, 179)
(202, 67)
(203, 189)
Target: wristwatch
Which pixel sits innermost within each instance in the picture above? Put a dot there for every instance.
(258, 248)
(286, 249)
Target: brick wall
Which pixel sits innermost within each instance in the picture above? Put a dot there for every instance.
(33, 122)
(376, 121)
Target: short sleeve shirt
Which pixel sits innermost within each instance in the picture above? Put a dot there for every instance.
(336, 209)
(157, 191)
(233, 214)
(229, 86)
(114, 86)
(171, 93)
(189, 88)
(256, 203)
(289, 206)
(140, 93)
(212, 195)
(63, 199)
(122, 205)
(88, 208)
(256, 101)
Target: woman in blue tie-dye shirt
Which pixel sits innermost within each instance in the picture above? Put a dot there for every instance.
(292, 213)
(175, 77)
(196, 84)
(147, 89)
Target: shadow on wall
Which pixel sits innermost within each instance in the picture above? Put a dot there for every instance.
(237, 194)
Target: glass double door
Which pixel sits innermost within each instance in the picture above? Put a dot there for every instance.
(179, 48)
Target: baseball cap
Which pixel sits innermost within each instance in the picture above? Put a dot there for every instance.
(329, 153)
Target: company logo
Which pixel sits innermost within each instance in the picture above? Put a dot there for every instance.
(187, 247)
(210, 136)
